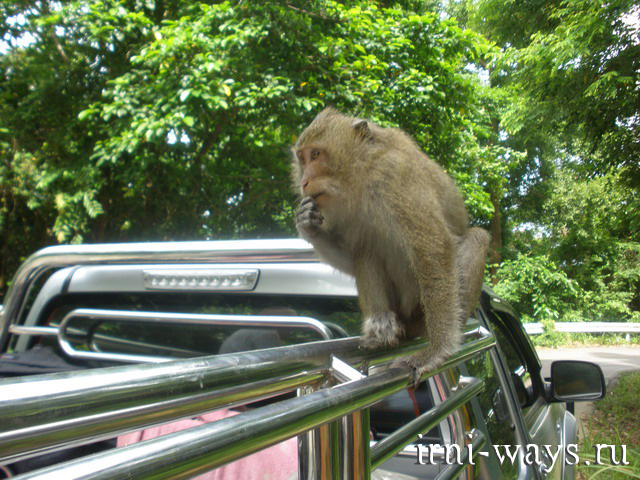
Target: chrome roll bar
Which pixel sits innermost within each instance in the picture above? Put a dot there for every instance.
(47, 259)
(100, 315)
(66, 333)
(48, 412)
(199, 449)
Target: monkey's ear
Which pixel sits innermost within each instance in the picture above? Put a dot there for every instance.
(361, 128)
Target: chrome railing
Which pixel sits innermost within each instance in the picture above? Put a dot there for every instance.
(60, 256)
(64, 332)
(48, 412)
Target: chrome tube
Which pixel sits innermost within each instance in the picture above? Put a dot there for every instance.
(354, 430)
(355, 453)
(197, 450)
(71, 408)
(36, 331)
(315, 457)
(200, 449)
(47, 412)
(257, 251)
(392, 444)
(101, 315)
(478, 441)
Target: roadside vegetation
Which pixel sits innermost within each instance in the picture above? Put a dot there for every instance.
(564, 340)
(614, 422)
(141, 120)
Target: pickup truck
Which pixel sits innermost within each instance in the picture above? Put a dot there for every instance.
(99, 341)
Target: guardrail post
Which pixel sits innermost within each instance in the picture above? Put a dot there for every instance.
(356, 454)
(340, 449)
(318, 450)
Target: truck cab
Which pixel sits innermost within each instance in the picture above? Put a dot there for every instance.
(124, 338)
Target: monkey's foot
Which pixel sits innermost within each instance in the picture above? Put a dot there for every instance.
(364, 369)
(309, 219)
(416, 372)
(381, 329)
(419, 364)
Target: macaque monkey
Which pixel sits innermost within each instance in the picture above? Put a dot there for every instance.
(376, 207)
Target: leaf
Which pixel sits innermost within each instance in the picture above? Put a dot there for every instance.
(84, 114)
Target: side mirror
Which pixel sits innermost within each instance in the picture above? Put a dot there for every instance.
(577, 381)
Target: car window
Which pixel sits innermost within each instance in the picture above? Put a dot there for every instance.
(516, 364)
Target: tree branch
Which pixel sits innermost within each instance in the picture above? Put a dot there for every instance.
(314, 14)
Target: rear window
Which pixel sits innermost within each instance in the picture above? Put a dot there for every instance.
(181, 339)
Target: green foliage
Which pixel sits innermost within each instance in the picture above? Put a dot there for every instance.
(573, 64)
(566, 72)
(589, 222)
(139, 120)
(128, 120)
(536, 286)
(579, 269)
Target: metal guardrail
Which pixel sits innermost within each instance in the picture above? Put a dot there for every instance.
(585, 327)
(47, 412)
(533, 328)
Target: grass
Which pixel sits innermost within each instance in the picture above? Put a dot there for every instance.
(615, 421)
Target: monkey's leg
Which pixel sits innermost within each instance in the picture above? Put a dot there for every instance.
(435, 271)
(381, 325)
(470, 262)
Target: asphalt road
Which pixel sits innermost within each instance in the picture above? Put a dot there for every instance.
(613, 361)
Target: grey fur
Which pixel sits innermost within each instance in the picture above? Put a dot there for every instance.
(379, 209)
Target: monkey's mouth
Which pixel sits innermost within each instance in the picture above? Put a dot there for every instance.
(317, 194)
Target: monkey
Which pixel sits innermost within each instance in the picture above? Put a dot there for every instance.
(375, 207)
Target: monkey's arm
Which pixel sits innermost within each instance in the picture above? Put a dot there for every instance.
(327, 245)
(381, 325)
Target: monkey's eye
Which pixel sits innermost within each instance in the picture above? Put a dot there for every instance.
(315, 154)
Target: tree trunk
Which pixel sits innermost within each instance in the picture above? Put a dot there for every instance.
(495, 246)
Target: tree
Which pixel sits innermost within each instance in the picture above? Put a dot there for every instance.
(574, 65)
(132, 120)
(569, 71)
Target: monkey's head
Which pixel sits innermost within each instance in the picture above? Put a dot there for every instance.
(327, 155)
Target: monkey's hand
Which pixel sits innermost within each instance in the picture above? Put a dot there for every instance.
(381, 329)
(309, 219)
